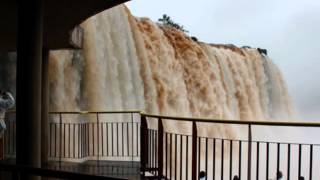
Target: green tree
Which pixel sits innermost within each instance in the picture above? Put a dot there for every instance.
(166, 20)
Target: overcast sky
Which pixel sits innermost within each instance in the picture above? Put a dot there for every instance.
(289, 29)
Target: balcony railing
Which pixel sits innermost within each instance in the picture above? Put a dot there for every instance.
(166, 152)
(82, 136)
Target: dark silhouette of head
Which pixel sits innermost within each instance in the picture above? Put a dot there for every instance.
(279, 175)
(236, 177)
(202, 174)
(301, 178)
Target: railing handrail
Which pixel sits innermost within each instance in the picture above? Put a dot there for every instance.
(200, 120)
(96, 112)
(239, 122)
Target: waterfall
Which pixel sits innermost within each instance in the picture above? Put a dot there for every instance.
(130, 63)
(134, 63)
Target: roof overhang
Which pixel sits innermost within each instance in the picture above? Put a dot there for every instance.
(61, 18)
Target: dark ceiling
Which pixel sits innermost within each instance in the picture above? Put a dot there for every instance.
(60, 18)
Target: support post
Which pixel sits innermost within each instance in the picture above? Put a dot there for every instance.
(194, 150)
(144, 145)
(45, 107)
(160, 148)
(29, 52)
(249, 151)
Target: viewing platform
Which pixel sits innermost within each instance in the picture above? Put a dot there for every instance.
(135, 145)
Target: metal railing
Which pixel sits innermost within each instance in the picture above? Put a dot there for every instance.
(111, 135)
(170, 154)
(80, 136)
(10, 135)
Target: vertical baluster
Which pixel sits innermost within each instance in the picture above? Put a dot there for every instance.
(181, 152)
(98, 136)
(240, 154)
(214, 160)
(102, 138)
(249, 151)
(206, 159)
(187, 156)
(199, 154)
(149, 148)
(87, 125)
(9, 137)
(132, 145)
(160, 147)
(167, 161)
(50, 140)
(194, 151)
(74, 141)
(128, 139)
(93, 142)
(144, 143)
(230, 163)
(79, 140)
(112, 139)
(117, 137)
(170, 156)
(222, 158)
(278, 157)
(56, 146)
(107, 138)
(122, 140)
(299, 163)
(267, 161)
(175, 156)
(311, 165)
(69, 140)
(156, 147)
(60, 136)
(137, 142)
(289, 157)
(64, 140)
(258, 158)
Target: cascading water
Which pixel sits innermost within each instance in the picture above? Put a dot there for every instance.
(134, 63)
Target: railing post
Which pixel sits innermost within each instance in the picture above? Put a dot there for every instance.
(60, 139)
(98, 139)
(45, 107)
(160, 148)
(144, 144)
(194, 150)
(249, 151)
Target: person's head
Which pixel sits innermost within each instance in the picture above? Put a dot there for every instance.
(301, 178)
(235, 177)
(279, 175)
(202, 174)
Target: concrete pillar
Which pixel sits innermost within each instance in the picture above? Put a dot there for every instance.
(29, 52)
(45, 107)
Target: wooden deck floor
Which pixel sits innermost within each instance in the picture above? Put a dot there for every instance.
(117, 169)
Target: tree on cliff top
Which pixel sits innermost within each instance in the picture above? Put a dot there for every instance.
(166, 20)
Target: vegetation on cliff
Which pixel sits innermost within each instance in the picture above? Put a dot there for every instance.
(167, 21)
